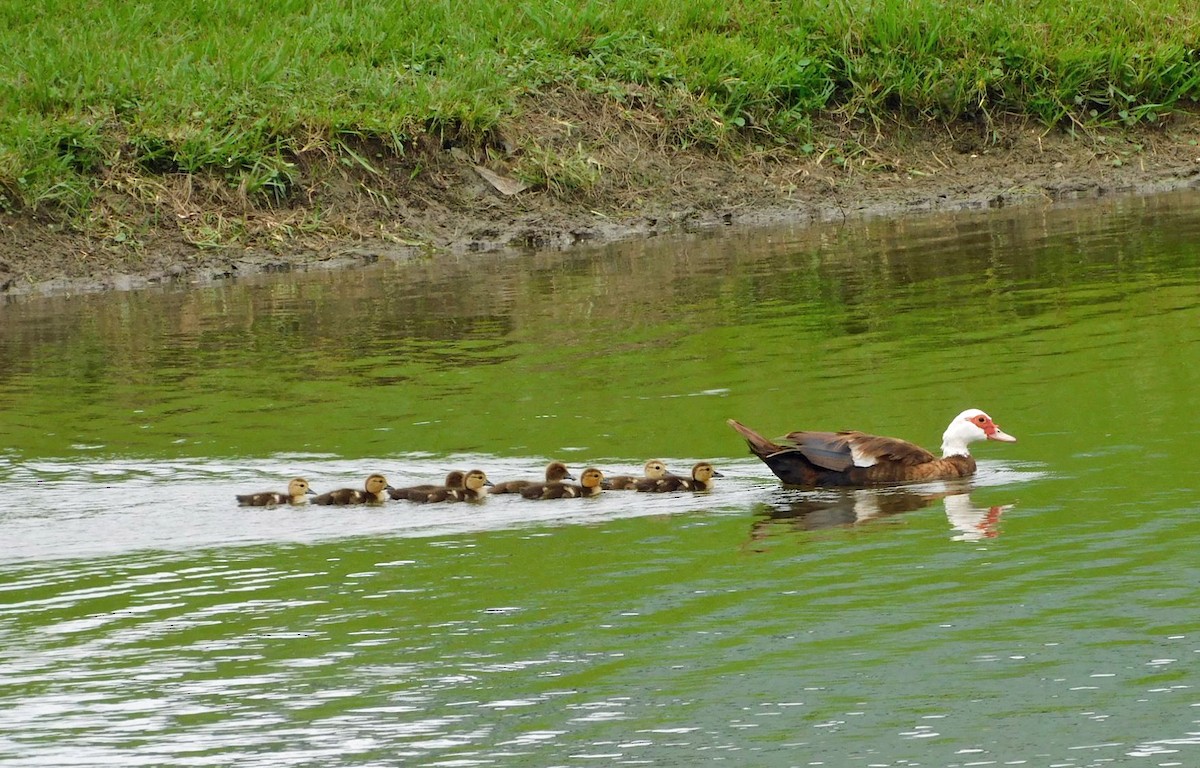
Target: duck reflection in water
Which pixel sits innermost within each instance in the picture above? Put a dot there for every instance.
(833, 509)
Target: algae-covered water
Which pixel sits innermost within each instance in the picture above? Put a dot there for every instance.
(1041, 614)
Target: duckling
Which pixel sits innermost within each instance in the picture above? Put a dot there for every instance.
(556, 472)
(654, 470)
(701, 480)
(376, 491)
(590, 484)
(473, 486)
(419, 492)
(296, 491)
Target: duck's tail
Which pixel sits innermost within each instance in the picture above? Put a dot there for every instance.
(759, 445)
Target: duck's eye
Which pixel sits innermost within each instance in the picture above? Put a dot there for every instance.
(981, 419)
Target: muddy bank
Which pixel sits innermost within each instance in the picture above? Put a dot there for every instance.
(450, 200)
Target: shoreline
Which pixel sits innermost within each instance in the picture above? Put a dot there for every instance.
(457, 208)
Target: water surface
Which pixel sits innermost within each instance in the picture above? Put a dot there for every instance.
(1040, 614)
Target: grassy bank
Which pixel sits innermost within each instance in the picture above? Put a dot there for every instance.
(101, 101)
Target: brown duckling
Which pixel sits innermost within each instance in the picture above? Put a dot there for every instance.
(701, 480)
(476, 485)
(376, 488)
(418, 492)
(590, 484)
(654, 470)
(556, 472)
(296, 491)
(473, 486)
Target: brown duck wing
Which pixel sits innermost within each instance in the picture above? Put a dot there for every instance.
(828, 450)
(886, 449)
(839, 451)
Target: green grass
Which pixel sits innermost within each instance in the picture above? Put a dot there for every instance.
(237, 92)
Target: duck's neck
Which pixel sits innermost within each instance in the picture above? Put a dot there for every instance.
(953, 445)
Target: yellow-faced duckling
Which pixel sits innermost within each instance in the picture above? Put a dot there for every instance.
(475, 485)
(472, 486)
(701, 480)
(556, 472)
(460, 486)
(590, 484)
(418, 492)
(297, 490)
(375, 492)
(654, 470)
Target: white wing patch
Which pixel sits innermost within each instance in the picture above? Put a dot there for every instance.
(862, 459)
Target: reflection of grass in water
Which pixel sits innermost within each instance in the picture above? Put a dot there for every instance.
(632, 352)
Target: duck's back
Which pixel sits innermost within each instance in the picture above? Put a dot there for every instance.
(854, 459)
(437, 494)
(265, 499)
(341, 497)
(513, 486)
(430, 491)
(551, 491)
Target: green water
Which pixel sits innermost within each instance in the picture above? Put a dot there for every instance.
(1042, 614)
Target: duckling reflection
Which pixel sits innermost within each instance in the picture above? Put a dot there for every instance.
(846, 508)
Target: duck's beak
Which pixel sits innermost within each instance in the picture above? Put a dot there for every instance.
(717, 474)
(1001, 435)
(310, 492)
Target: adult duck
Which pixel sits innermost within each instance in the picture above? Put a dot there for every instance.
(654, 469)
(556, 472)
(590, 484)
(859, 459)
(374, 491)
(297, 491)
(701, 480)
